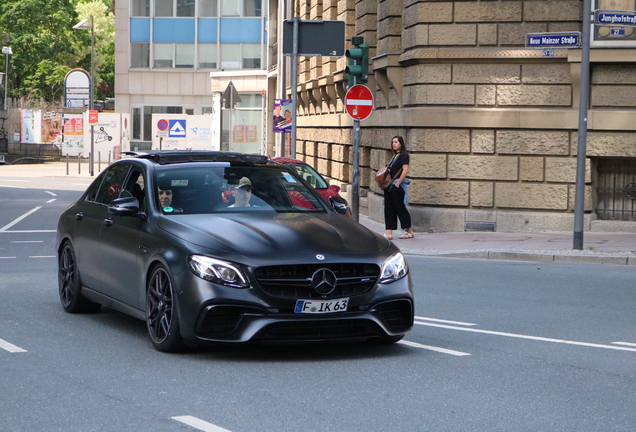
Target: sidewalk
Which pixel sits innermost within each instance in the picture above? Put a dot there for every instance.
(599, 247)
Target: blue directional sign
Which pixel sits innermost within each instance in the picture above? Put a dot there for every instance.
(553, 40)
(615, 18)
(177, 128)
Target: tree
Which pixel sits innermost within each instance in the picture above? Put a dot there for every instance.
(45, 46)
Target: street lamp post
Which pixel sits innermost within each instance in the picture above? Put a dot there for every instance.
(84, 25)
(7, 52)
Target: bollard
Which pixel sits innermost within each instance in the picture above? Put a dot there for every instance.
(67, 158)
(99, 161)
(79, 164)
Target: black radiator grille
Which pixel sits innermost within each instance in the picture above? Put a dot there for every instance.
(294, 281)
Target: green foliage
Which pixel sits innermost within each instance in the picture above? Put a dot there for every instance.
(45, 45)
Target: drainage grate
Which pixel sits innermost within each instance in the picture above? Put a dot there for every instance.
(480, 226)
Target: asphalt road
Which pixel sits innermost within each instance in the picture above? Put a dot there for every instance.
(498, 346)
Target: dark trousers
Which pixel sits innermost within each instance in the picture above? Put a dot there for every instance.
(395, 208)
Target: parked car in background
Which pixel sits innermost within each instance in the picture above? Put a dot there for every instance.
(153, 237)
(311, 176)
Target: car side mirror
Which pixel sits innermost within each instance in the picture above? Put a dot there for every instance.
(124, 206)
(336, 188)
(339, 204)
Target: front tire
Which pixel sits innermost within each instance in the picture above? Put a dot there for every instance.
(162, 315)
(70, 285)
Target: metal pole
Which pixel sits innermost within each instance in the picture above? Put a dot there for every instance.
(79, 164)
(99, 161)
(581, 155)
(92, 168)
(283, 75)
(355, 184)
(92, 94)
(294, 84)
(6, 78)
(67, 159)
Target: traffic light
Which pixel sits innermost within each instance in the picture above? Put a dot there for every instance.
(358, 68)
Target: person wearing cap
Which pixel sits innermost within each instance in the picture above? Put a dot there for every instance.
(242, 193)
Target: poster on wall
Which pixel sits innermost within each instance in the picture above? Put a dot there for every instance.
(28, 126)
(283, 115)
(73, 134)
(106, 136)
(52, 122)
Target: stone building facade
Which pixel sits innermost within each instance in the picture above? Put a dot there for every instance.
(491, 126)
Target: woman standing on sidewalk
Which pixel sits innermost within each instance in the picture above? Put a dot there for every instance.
(395, 196)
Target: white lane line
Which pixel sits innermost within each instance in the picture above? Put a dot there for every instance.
(444, 321)
(43, 256)
(26, 241)
(13, 187)
(629, 344)
(199, 424)
(8, 257)
(432, 348)
(50, 193)
(27, 231)
(27, 214)
(51, 200)
(535, 338)
(17, 181)
(10, 347)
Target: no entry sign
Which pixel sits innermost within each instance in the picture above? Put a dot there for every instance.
(359, 102)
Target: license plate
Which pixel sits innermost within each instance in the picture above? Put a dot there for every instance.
(321, 306)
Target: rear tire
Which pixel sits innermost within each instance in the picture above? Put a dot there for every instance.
(70, 285)
(162, 314)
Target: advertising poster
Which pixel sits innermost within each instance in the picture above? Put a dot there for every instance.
(52, 122)
(283, 115)
(251, 133)
(28, 126)
(73, 134)
(106, 136)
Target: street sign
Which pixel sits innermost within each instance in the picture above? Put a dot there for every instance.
(315, 38)
(617, 18)
(162, 125)
(359, 102)
(231, 96)
(93, 116)
(553, 40)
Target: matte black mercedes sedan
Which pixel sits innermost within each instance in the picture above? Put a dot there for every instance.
(211, 247)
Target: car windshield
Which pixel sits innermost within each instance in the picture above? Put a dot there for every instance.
(222, 187)
(310, 175)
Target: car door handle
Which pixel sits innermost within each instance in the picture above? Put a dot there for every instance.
(108, 222)
(79, 216)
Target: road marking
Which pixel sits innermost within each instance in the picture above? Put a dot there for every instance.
(17, 181)
(8, 257)
(43, 256)
(199, 424)
(535, 338)
(13, 187)
(26, 241)
(51, 200)
(625, 344)
(10, 347)
(432, 348)
(27, 214)
(50, 193)
(444, 321)
(26, 231)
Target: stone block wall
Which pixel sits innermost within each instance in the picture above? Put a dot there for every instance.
(490, 125)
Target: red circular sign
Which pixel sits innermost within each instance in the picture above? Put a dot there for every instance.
(359, 102)
(162, 125)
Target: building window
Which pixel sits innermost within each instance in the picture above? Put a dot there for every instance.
(208, 8)
(252, 8)
(230, 56)
(163, 56)
(185, 56)
(207, 56)
(231, 9)
(251, 56)
(136, 123)
(140, 8)
(163, 8)
(185, 8)
(139, 55)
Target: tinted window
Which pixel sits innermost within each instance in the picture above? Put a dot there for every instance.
(112, 183)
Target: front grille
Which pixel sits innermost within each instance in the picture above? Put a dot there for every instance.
(320, 330)
(397, 314)
(294, 281)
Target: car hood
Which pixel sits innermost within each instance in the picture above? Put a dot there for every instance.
(264, 233)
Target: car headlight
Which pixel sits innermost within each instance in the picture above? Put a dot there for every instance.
(394, 268)
(217, 271)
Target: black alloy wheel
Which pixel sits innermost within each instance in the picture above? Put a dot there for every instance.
(162, 316)
(69, 284)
